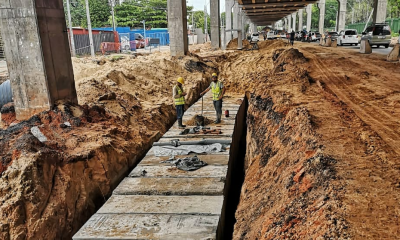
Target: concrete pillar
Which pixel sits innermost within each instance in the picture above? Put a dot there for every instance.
(379, 14)
(243, 26)
(228, 19)
(341, 25)
(38, 55)
(285, 23)
(254, 28)
(294, 21)
(215, 24)
(289, 23)
(321, 6)
(236, 19)
(309, 15)
(177, 25)
(300, 19)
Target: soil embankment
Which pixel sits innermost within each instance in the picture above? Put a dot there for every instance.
(49, 189)
(322, 156)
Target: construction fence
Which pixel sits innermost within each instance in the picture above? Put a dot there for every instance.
(82, 42)
(394, 24)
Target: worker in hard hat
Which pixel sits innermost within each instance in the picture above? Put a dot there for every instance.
(218, 91)
(179, 98)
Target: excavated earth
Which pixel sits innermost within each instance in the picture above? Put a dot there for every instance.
(323, 143)
(322, 157)
(48, 190)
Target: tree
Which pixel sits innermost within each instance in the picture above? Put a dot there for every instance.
(198, 19)
(100, 12)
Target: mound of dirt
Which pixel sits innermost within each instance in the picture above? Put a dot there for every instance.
(285, 59)
(233, 44)
(192, 121)
(272, 44)
(49, 189)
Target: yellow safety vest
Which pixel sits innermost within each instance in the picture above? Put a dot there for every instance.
(216, 90)
(181, 100)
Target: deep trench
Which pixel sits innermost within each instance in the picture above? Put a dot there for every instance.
(236, 174)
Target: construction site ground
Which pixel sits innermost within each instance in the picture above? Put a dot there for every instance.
(322, 155)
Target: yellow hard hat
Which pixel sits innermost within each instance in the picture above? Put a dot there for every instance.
(215, 75)
(180, 80)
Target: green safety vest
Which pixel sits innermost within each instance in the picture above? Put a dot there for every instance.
(181, 100)
(216, 90)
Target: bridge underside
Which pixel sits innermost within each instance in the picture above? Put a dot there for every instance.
(265, 12)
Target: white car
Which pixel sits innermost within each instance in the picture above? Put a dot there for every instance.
(255, 37)
(348, 36)
(271, 35)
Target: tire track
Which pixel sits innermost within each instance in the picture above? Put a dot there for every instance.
(343, 92)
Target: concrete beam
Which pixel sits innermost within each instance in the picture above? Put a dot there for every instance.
(38, 56)
(341, 25)
(177, 24)
(380, 8)
(321, 6)
(309, 15)
(300, 19)
(215, 24)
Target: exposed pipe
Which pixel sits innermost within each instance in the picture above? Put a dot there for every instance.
(5, 93)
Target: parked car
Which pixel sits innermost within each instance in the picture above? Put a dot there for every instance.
(378, 34)
(271, 35)
(315, 36)
(348, 36)
(140, 41)
(255, 37)
(332, 35)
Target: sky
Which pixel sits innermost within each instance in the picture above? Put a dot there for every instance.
(199, 4)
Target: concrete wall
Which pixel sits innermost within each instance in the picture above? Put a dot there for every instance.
(38, 55)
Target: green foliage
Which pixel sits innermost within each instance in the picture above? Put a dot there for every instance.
(198, 19)
(99, 13)
(131, 13)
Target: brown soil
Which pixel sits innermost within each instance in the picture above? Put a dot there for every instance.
(323, 158)
(323, 136)
(192, 121)
(48, 190)
(233, 44)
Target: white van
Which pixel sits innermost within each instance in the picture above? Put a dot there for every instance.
(271, 35)
(348, 36)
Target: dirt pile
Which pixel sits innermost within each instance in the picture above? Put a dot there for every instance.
(233, 44)
(49, 189)
(322, 158)
(192, 121)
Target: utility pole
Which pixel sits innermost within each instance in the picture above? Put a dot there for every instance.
(144, 32)
(71, 33)
(113, 15)
(90, 29)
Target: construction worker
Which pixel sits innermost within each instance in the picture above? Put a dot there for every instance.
(179, 98)
(218, 91)
(292, 37)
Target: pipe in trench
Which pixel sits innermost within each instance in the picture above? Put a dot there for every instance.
(5, 93)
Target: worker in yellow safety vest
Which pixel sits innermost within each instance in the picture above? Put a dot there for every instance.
(218, 91)
(179, 98)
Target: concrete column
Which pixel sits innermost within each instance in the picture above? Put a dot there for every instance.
(285, 24)
(243, 26)
(254, 28)
(177, 25)
(38, 55)
(228, 19)
(294, 21)
(300, 19)
(289, 23)
(309, 15)
(380, 8)
(341, 25)
(215, 24)
(321, 6)
(236, 19)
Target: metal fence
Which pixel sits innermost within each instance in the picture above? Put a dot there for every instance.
(82, 43)
(394, 24)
